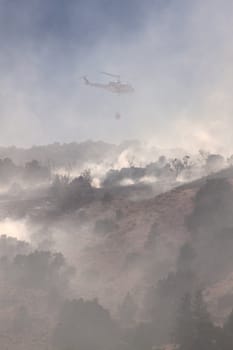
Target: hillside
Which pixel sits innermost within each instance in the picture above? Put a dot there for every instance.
(139, 240)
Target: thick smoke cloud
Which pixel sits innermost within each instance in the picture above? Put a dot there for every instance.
(176, 54)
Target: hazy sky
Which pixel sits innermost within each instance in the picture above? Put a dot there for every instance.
(177, 54)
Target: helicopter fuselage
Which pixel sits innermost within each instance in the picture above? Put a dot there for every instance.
(118, 87)
(113, 86)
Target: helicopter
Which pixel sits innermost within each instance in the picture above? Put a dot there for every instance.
(116, 87)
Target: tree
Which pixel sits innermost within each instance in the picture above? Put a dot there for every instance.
(85, 325)
(42, 270)
(212, 207)
(177, 166)
(184, 330)
(35, 172)
(141, 337)
(194, 328)
(162, 301)
(86, 175)
(205, 336)
(228, 333)
(127, 311)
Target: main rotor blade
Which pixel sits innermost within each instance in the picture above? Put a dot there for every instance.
(111, 75)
